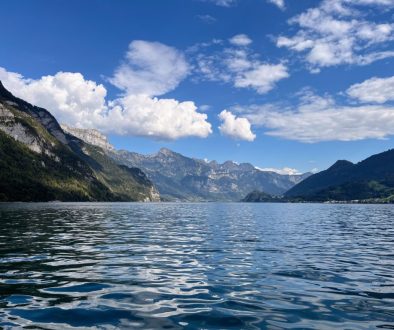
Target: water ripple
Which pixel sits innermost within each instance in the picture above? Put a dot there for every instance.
(196, 266)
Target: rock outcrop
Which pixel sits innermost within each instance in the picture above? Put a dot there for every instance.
(91, 136)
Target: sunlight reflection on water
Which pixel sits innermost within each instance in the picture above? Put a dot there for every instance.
(197, 266)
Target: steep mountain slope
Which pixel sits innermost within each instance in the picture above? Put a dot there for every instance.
(29, 176)
(182, 178)
(370, 178)
(39, 162)
(125, 182)
(334, 175)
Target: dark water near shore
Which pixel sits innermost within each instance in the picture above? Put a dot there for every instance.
(209, 266)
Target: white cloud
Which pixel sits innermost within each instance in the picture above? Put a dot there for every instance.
(205, 107)
(240, 67)
(318, 119)
(158, 118)
(389, 3)
(279, 3)
(223, 3)
(240, 40)
(236, 60)
(335, 33)
(81, 103)
(283, 171)
(262, 78)
(150, 68)
(68, 96)
(236, 128)
(208, 19)
(379, 90)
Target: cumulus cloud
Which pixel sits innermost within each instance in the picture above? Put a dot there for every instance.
(82, 103)
(379, 90)
(240, 40)
(335, 33)
(241, 67)
(388, 3)
(68, 96)
(317, 119)
(262, 77)
(236, 128)
(150, 68)
(158, 118)
(279, 3)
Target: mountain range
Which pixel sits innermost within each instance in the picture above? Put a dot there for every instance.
(178, 177)
(181, 178)
(43, 161)
(369, 180)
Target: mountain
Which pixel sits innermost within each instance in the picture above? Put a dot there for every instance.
(90, 136)
(40, 162)
(372, 178)
(182, 178)
(259, 197)
(127, 183)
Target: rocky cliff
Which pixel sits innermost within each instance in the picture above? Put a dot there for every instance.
(90, 136)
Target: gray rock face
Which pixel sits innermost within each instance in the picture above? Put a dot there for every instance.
(10, 125)
(154, 195)
(181, 178)
(90, 136)
(41, 115)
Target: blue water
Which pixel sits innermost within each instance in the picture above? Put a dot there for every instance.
(196, 266)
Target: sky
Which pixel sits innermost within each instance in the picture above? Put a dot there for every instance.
(289, 85)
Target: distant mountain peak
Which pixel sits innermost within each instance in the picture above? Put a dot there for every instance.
(370, 179)
(339, 164)
(179, 177)
(167, 152)
(164, 150)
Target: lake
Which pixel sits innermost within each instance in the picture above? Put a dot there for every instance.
(196, 266)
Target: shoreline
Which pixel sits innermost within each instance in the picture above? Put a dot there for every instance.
(199, 202)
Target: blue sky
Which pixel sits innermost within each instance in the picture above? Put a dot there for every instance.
(289, 83)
